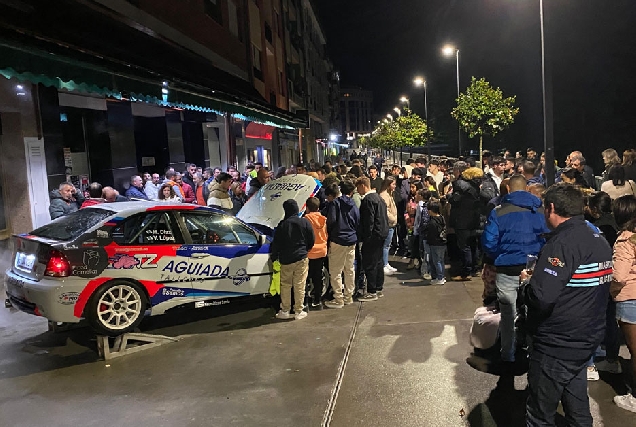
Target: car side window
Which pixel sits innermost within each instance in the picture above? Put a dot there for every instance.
(211, 228)
(157, 228)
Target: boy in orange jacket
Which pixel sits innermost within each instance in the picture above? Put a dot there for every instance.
(318, 254)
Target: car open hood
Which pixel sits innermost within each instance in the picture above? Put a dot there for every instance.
(266, 207)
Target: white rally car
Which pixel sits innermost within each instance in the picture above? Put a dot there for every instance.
(114, 263)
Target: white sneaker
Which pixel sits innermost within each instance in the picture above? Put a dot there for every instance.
(426, 276)
(611, 367)
(627, 402)
(592, 373)
(388, 271)
(390, 267)
(301, 315)
(438, 282)
(284, 315)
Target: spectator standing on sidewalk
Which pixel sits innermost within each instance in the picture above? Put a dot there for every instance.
(616, 185)
(376, 181)
(318, 253)
(152, 187)
(65, 200)
(136, 189)
(623, 287)
(435, 235)
(293, 239)
(386, 193)
(566, 299)
(219, 188)
(343, 220)
(513, 232)
(374, 227)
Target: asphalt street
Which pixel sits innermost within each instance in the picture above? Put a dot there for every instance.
(397, 361)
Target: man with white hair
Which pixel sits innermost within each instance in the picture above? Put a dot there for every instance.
(65, 200)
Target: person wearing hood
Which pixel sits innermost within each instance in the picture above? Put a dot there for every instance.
(219, 196)
(514, 230)
(343, 219)
(293, 239)
(464, 214)
(318, 253)
(65, 200)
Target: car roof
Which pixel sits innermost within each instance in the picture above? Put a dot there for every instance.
(129, 208)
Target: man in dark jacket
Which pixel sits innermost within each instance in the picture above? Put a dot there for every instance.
(566, 299)
(136, 189)
(513, 231)
(343, 220)
(65, 200)
(374, 178)
(464, 215)
(293, 238)
(374, 227)
(188, 176)
(262, 178)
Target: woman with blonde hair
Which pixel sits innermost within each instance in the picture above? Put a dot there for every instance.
(629, 163)
(610, 158)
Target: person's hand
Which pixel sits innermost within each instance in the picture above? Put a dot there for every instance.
(524, 276)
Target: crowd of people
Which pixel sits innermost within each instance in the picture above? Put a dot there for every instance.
(482, 219)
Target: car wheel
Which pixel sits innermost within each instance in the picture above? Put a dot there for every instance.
(309, 288)
(116, 308)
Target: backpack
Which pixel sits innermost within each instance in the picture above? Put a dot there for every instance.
(425, 218)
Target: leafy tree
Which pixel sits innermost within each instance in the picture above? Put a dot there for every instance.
(482, 110)
(407, 130)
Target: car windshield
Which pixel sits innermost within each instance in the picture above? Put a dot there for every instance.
(71, 226)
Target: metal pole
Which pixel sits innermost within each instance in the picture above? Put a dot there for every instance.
(428, 131)
(548, 130)
(459, 133)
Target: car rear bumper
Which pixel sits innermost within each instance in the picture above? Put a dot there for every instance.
(51, 298)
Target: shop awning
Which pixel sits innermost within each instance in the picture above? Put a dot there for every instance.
(71, 46)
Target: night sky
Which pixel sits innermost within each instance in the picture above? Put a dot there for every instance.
(381, 46)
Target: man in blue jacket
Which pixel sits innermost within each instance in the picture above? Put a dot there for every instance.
(566, 299)
(136, 189)
(512, 233)
(343, 219)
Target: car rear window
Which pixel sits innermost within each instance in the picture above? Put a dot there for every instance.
(71, 226)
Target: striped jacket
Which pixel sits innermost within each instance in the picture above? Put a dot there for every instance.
(568, 293)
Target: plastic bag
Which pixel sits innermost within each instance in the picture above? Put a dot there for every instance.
(483, 333)
(274, 287)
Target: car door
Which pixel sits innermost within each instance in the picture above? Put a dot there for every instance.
(232, 262)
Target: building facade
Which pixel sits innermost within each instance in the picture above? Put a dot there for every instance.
(356, 112)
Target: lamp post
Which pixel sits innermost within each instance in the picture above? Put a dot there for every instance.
(548, 135)
(449, 50)
(398, 111)
(419, 81)
(405, 100)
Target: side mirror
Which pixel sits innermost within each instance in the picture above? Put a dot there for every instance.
(262, 239)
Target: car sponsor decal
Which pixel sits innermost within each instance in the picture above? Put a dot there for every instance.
(87, 262)
(222, 251)
(211, 303)
(78, 310)
(128, 262)
(68, 298)
(169, 293)
(556, 262)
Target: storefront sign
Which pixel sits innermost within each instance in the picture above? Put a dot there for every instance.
(147, 161)
(68, 160)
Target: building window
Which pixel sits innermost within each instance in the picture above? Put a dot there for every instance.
(213, 10)
(233, 19)
(268, 33)
(256, 62)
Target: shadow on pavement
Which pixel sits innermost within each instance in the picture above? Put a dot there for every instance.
(505, 407)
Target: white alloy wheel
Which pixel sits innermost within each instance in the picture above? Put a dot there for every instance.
(119, 307)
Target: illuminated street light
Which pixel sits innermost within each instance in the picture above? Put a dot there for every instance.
(389, 116)
(405, 100)
(398, 111)
(421, 82)
(449, 50)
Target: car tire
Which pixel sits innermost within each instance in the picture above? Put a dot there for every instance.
(309, 288)
(116, 308)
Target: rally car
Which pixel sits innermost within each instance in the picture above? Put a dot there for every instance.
(114, 263)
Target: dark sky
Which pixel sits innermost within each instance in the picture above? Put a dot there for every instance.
(382, 45)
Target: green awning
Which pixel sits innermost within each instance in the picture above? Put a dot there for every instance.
(27, 64)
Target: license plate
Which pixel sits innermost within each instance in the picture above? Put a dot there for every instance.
(25, 261)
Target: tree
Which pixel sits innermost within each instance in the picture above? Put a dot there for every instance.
(482, 110)
(407, 130)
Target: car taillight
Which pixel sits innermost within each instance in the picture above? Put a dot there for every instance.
(58, 265)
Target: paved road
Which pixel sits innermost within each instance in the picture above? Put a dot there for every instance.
(404, 365)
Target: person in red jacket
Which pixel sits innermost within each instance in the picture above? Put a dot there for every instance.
(187, 191)
(318, 253)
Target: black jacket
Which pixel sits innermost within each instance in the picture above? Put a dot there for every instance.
(374, 220)
(294, 236)
(568, 292)
(436, 231)
(465, 200)
(376, 184)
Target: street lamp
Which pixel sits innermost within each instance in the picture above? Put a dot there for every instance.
(448, 51)
(405, 100)
(389, 116)
(546, 80)
(421, 82)
(398, 111)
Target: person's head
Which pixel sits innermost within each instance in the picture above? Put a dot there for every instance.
(434, 207)
(624, 210)
(599, 203)
(263, 176)
(328, 163)
(207, 173)
(570, 175)
(388, 184)
(66, 190)
(347, 188)
(417, 174)
(486, 158)
(629, 157)
(237, 188)
(291, 208)
(529, 169)
(231, 169)
(420, 162)
(216, 172)
(192, 169)
(458, 168)
(531, 153)
(562, 202)
(156, 178)
(166, 192)
(363, 184)
(321, 174)
(249, 169)
(422, 194)
(504, 187)
(146, 177)
(536, 189)
(342, 169)
(313, 204)
(356, 170)
(433, 167)
(110, 194)
(498, 165)
(610, 158)
(236, 175)
(170, 175)
(616, 174)
(224, 179)
(577, 162)
(510, 165)
(258, 165)
(415, 186)
(410, 162)
(395, 170)
(331, 191)
(300, 169)
(327, 168)
(168, 169)
(178, 178)
(517, 183)
(197, 179)
(95, 190)
(430, 183)
(373, 172)
(136, 181)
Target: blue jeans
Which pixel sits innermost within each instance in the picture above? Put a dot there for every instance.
(507, 290)
(387, 246)
(551, 381)
(437, 261)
